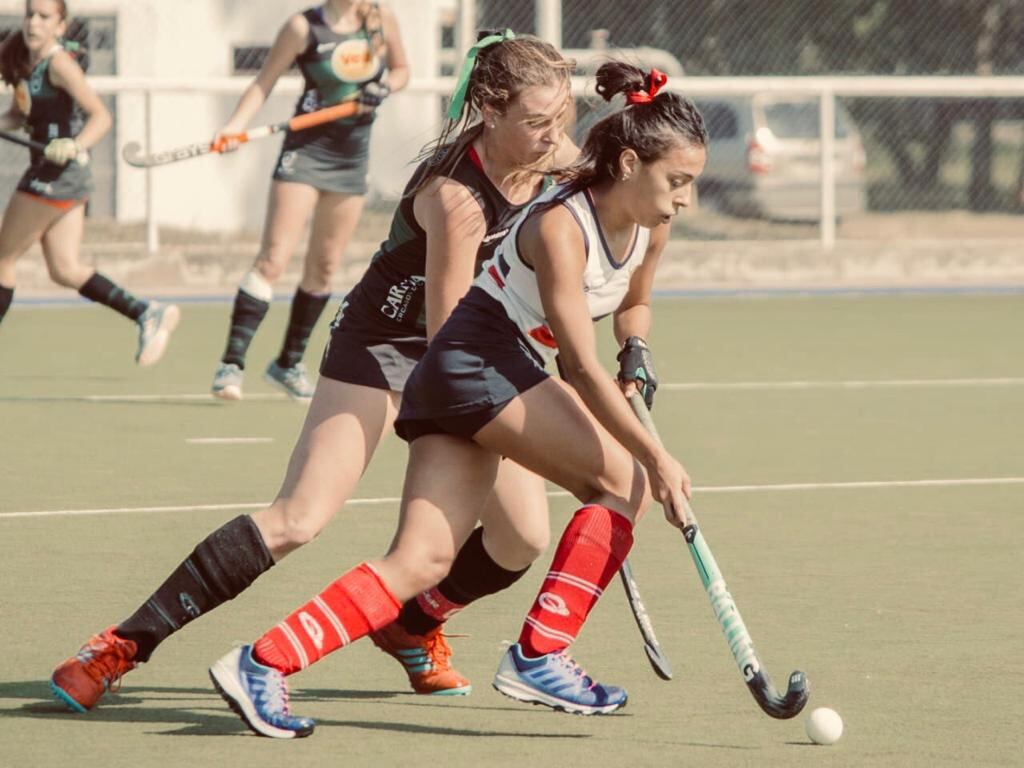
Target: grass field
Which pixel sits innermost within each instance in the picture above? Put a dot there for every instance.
(859, 476)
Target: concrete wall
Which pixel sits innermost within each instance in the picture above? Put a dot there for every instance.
(192, 39)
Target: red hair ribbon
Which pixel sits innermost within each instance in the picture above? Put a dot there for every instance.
(657, 80)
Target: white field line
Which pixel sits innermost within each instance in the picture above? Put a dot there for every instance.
(849, 384)
(149, 398)
(709, 489)
(228, 440)
(689, 386)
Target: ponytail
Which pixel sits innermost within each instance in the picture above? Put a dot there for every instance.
(496, 70)
(650, 123)
(14, 59)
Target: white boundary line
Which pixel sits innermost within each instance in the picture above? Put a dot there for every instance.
(227, 440)
(850, 384)
(688, 386)
(767, 488)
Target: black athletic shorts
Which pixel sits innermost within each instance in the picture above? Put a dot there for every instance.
(475, 365)
(359, 356)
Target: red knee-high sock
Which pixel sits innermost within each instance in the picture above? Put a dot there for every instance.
(355, 605)
(594, 544)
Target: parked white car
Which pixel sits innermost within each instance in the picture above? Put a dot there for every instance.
(764, 157)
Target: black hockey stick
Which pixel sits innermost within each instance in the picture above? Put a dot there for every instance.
(728, 615)
(643, 621)
(82, 159)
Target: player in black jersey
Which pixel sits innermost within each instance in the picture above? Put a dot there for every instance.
(345, 50)
(51, 96)
(506, 126)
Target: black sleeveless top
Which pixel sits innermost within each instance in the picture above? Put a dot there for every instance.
(335, 65)
(390, 300)
(50, 112)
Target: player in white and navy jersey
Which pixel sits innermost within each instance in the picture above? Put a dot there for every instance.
(481, 394)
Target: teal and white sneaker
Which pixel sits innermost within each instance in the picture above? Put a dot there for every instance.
(555, 681)
(227, 382)
(292, 381)
(156, 325)
(257, 694)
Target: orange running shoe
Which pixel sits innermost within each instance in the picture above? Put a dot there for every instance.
(95, 669)
(425, 658)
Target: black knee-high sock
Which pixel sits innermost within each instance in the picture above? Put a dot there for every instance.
(6, 297)
(306, 310)
(474, 574)
(103, 291)
(220, 568)
(246, 317)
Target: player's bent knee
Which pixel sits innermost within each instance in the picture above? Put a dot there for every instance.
(416, 572)
(286, 527)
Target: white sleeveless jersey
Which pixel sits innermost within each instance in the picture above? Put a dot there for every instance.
(510, 281)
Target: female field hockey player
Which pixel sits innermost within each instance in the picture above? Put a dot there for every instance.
(585, 248)
(345, 49)
(506, 122)
(50, 97)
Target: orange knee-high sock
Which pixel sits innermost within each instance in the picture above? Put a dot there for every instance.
(355, 605)
(594, 544)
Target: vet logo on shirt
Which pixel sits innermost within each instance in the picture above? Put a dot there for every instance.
(353, 61)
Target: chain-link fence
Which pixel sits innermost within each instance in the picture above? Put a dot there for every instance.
(905, 154)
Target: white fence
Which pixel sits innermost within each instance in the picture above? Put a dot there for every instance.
(429, 91)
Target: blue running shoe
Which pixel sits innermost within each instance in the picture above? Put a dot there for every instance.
(257, 694)
(556, 681)
(292, 381)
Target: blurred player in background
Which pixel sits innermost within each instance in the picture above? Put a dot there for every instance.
(345, 49)
(50, 96)
(506, 126)
(585, 248)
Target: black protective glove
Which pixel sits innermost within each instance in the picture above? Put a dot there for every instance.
(372, 94)
(637, 365)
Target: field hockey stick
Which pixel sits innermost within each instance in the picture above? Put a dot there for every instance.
(82, 159)
(655, 655)
(728, 615)
(133, 155)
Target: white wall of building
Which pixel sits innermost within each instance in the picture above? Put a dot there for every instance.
(192, 39)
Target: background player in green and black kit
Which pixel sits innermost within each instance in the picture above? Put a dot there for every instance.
(345, 50)
(507, 126)
(50, 97)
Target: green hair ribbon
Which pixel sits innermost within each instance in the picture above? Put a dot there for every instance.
(462, 85)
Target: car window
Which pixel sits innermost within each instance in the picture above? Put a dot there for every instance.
(720, 120)
(799, 120)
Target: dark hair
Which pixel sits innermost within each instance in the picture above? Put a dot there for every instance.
(14, 53)
(649, 128)
(501, 73)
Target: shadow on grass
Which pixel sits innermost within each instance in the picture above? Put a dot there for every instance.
(200, 712)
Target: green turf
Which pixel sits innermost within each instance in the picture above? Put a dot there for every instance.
(903, 604)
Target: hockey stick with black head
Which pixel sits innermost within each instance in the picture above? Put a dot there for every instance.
(82, 159)
(659, 662)
(133, 154)
(771, 701)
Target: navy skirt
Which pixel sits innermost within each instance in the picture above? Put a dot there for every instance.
(474, 366)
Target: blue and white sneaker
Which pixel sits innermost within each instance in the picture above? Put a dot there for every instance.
(156, 325)
(257, 694)
(292, 381)
(556, 681)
